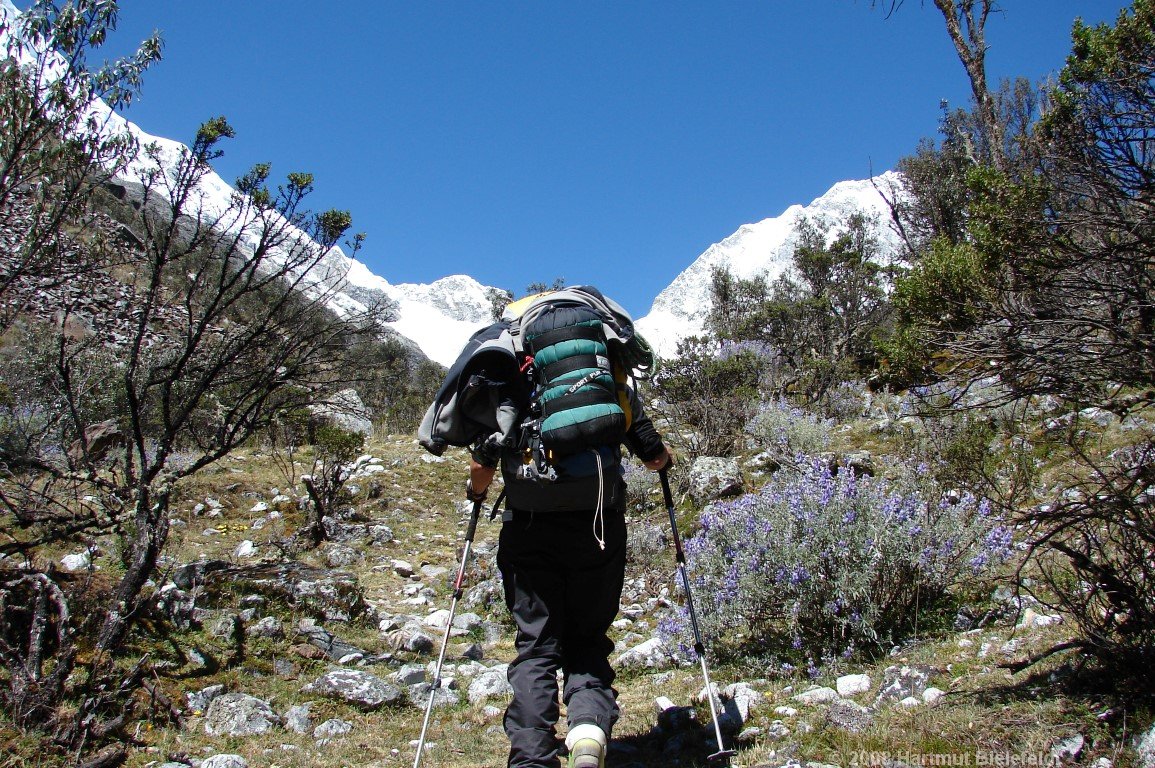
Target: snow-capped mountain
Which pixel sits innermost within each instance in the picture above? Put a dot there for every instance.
(438, 317)
(765, 247)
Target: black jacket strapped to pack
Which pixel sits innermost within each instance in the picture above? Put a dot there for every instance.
(544, 392)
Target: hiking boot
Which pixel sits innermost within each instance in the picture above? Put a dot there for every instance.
(587, 746)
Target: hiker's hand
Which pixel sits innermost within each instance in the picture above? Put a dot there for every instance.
(664, 460)
(480, 476)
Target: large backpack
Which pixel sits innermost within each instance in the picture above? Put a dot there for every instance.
(560, 360)
(580, 347)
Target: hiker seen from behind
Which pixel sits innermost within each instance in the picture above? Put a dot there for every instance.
(543, 396)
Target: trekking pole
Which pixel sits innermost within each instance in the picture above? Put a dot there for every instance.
(469, 532)
(700, 649)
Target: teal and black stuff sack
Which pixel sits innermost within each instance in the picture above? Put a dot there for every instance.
(575, 380)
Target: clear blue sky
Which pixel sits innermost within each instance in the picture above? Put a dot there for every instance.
(606, 142)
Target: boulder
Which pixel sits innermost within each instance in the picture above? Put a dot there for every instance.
(239, 714)
(849, 716)
(332, 727)
(101, 438)
(356, 687)
(652, 654)
(852, 685)
(325, 594)
(743, 697)
(491, 683)
(419, 695)
(817, 695)
(714, 477)
(344, 409)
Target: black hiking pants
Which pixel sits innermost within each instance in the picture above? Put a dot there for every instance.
(563, 590)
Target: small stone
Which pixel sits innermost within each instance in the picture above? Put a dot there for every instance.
(933, 695)
(410, 674)
(78, 562)
(852, 685)
(296, 718)
(307, 651)
(270, 627)
(491, 683)
(849, 716)
(332, 727)
(777, 731)
(816, 696)
(224, 761)
(1067, 750)
(238, 714)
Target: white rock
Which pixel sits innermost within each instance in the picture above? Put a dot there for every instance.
(785, 711)
(1145, 749)
(910, 701)
(933, 695)
(225, 761)
(245, 549)
(493, 682)
(260, 507)
(437, 619)
(817, 696)
(651, 654)
(78, 562)
(403, 568)
(852, 685)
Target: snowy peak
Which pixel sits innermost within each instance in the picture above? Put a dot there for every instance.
(439, 317)
(763, 248)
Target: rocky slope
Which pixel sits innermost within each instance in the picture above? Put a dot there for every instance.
(328, 658)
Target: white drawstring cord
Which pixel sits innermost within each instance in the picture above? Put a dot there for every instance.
(599, 512)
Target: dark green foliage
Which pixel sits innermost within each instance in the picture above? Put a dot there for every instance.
(708, 393)
(821, 318)
(538, 287)
(1049, 291)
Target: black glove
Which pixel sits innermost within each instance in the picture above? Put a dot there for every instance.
(472, 495)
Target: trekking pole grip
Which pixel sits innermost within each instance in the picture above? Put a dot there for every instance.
(668, 495)
(472, 529)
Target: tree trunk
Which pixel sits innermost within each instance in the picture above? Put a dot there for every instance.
(966, 28)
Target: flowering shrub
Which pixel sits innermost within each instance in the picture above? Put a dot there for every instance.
(819, 564)
(787, 431)
(845, 401)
